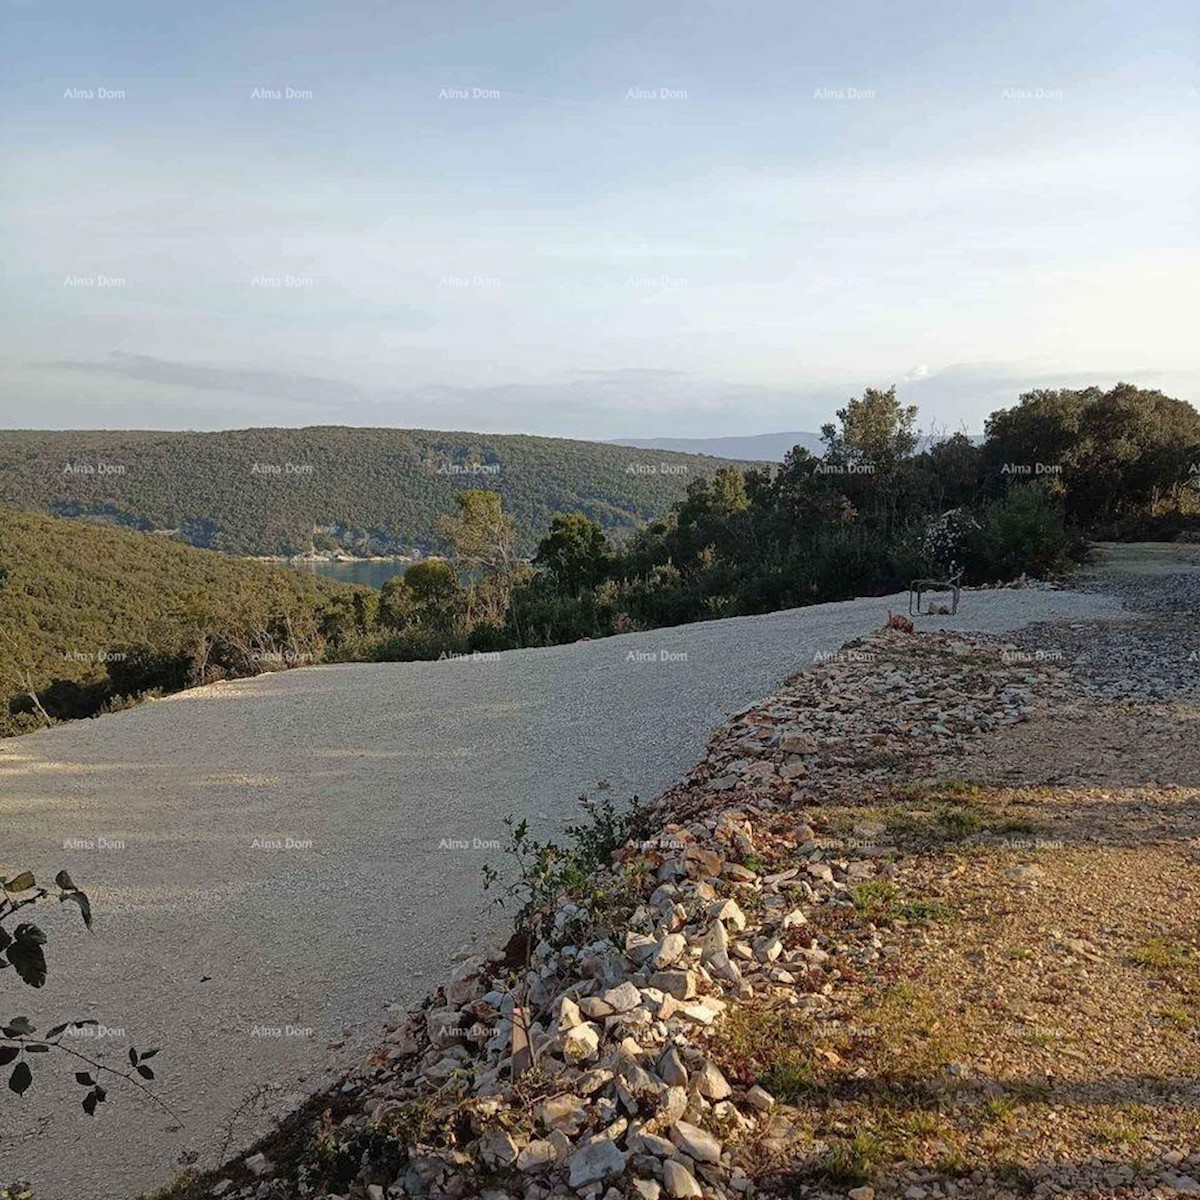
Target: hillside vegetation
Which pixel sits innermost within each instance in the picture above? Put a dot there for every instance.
(91, 615)
(866, 518)
(364, 491)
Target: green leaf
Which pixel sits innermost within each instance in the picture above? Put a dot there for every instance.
(132, 1057)
(85, 906)
(64, 881)
(85, 1078)
(53, 1033)
(37, 1048)
(20, 1079)
(18, 1026)
(29, 933)
(29, 961)
(20, 883)
(145, 1072)
(7, 1054)
(89, 1103)
(149, 1053)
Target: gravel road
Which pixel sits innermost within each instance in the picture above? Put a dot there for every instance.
(273, 861)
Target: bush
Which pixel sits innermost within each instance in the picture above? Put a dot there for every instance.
(1023, 533)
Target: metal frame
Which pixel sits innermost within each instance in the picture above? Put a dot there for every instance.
(920, 587)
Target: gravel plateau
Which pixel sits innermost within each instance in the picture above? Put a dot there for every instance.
(815, 970)
(922, 923)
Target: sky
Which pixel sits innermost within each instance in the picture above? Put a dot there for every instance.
(597, 219)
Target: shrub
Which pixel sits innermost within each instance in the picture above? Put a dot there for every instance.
(1025, 532)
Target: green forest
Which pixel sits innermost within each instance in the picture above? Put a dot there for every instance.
(358, 491)
(92, 617)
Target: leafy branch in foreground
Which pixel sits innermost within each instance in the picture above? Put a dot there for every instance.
(21, 949)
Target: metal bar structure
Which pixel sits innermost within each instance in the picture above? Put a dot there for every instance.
(920, 588)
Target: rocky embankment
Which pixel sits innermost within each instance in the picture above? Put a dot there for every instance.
(654, 1042)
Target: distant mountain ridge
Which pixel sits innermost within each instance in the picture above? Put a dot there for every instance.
(332, 488)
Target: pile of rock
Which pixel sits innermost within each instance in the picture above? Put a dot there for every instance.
(589, 1068)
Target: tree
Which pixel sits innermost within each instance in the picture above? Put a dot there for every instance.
(483, 545)
(429, 593)
(876, 431)
(1111, 454)
(574, 553)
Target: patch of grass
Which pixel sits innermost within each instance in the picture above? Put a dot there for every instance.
(951, 1165)
(879, 900)
(1016, 825)
(957, 823)
(1177, 1016)
(997, 1108)
(792, 1076)
(1110, 1133)
(1161, 954)
(874, 898)
(1039, 1037)
(926, 910)
(914, 1034)
(1019, 953)
(848, 1162)
(772, 1046)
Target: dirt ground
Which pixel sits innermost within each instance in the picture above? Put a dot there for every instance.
(1040, 1034)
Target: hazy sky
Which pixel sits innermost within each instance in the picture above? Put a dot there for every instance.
(593, 219)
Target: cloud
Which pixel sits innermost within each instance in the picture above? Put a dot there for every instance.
(143, 391)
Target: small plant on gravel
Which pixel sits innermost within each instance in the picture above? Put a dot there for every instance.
(848, 1161)
(771, 1047)
(1163, 954)
(874, 899)
(546, 873)
(21, 950)
(605, 828)
(996, 1109)
(925, 910)
(957, 823)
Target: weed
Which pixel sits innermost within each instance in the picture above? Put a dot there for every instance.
(997, 1108)
(1110, 1133)
(958, 823)
(1163, 955)
(873, 899)
(770, 1045)
(926, 910)
(848, 1161)
(879, 899)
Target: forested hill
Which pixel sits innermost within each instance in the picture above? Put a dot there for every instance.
(366, 491)
(88, 614)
